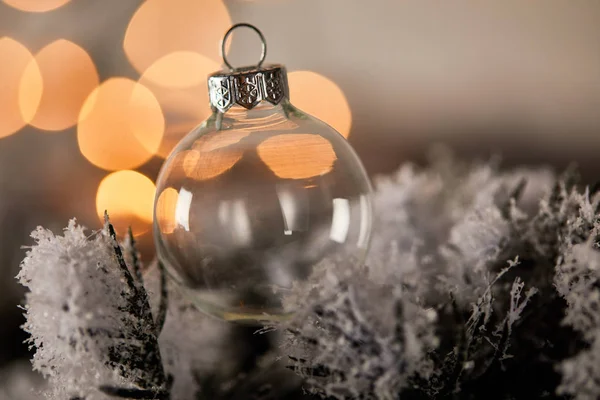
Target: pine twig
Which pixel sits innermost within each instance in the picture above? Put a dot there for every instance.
(119, 254)
(139, 306)
(164, 299)
(137, 270)
(161, 316)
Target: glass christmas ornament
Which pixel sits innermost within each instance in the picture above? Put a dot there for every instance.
(258, 194)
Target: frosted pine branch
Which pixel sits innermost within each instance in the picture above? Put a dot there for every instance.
(481, 283)
(578, 281)
(443, 240)
(87, 319)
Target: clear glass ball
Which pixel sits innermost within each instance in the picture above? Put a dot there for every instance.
(251, 200)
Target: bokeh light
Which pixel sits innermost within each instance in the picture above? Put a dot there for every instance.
(181, 69)
(178, 81)
(165, 210)
(128, 197)
(321, 98)
(36, 5)
(68, 77)
(161, 27)
(15, 60)
(297, 156)
(120, 125)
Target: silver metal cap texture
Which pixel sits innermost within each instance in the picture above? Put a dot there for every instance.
(248, 87)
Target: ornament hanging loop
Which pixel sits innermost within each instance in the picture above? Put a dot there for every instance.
(247, 86)
(263, 42)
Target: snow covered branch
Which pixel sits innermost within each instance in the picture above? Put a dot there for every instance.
(480, 283)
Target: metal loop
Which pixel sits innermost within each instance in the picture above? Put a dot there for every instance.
(255, 29)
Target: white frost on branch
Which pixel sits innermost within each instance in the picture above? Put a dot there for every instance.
(75, 312)
(578, 281)
(452, 210)
(346, 346)
(438, 234)
(433, 311)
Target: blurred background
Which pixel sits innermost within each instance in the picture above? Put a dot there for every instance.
(95, 93)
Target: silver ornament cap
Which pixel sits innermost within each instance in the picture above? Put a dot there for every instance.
(247, 86)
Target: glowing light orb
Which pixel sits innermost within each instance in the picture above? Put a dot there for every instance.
(321, 98)
(16, 60)
(166, 210)
(120, 126)
(68, 76)
(36, 5)
(160, 27)
(128, 197)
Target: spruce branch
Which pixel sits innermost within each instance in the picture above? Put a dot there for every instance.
(134, 255)
(480, 283)
(444, 236)
(163, 304)
(90, 322)
(144, 364)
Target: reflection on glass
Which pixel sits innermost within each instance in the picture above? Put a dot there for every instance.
(182, 209)
(312, 155)
(294, 204)
(167, 204)
(340, 224)
(365, 222)
(233, 216)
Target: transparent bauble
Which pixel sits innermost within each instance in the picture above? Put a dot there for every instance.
(251, 200)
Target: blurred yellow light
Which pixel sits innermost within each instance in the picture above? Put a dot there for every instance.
(178, 80)
(36, 5)
(68, 77)
(128, 197)
(321, 98)
(165, 210)
(181, 69)
(16, 58)
(160, 27)
(297, 156)
(120, 125)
